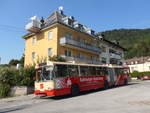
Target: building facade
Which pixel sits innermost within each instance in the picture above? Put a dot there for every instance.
(141, 64)
(60, 35)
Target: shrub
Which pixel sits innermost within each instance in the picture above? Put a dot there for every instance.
(4, 90)
(10, 76)
(6, 79)
(28, 76)
(7, 75)
(57, 59)
(137, 74)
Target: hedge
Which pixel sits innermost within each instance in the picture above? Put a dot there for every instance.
(136, 73)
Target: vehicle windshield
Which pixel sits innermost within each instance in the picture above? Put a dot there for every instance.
(46, 73)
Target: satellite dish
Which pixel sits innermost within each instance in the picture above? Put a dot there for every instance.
(61, 8)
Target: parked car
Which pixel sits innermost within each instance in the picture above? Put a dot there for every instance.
(144, 77)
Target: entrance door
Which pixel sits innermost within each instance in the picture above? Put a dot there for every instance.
(111, 75)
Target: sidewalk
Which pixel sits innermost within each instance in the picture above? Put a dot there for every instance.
(19, 102)
(18, 98)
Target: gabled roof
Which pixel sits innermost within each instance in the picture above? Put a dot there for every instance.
(136, 60)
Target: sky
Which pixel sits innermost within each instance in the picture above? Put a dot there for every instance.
(100, 15)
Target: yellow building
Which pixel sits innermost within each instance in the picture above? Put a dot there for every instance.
(60, 35)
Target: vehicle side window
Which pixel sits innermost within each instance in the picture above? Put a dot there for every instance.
(73, 70)
(105, 71)
(92, 70)
(61, 71)
(84, 71)
(98, 71)
(117, 71)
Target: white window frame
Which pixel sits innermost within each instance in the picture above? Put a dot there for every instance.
(50, 35)
(34, 39)
(68, 53)
(33, 55)
(49, 52)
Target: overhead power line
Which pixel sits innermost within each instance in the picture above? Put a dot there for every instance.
(11, 28)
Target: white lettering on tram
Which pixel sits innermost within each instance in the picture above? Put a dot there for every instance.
(90, 79)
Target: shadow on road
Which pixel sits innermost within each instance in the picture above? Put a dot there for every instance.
(86, 92)
(13, 109)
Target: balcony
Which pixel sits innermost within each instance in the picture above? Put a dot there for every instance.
(112, 55)
(80, 60)
(34, 26)
(104, 54)
(75, 44)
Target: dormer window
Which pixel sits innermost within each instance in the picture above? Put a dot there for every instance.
(68, 21)
(92, 32)
(78, 26)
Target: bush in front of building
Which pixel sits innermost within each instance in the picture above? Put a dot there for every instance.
(138, 74)
(57, 59)
(6, 79)
(10, 76)
(27, 76)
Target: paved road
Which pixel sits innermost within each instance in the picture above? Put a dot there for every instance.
(134, 98)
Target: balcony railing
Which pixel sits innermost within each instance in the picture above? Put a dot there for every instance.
(80, 60)
(112, 55)
(33, 26)
(65, 41)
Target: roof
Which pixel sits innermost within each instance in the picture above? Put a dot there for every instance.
(56, 17)
(136, 60)
(81, 64)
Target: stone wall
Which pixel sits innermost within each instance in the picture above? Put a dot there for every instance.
(21, 90)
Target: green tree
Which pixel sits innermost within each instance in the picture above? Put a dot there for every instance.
(14, 62)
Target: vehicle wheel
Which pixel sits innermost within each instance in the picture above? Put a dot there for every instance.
(125, 82)
(75, 90)
(106, 85)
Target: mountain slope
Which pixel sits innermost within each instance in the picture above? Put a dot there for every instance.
(137, 41)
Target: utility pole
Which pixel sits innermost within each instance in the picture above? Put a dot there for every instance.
(0, 60)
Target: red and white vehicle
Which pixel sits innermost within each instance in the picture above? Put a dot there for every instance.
(60, 78)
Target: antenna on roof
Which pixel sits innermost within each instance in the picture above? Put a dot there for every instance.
(61, 8)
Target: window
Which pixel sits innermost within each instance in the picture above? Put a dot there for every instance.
(68, 53)
(33, 40)
(80, 55)
(101, 71)
(33, 55)
(82, 41)
(84, 71)
(112, 51)
(92, 70)
(104, 60)
(93, 57)
(72, 70)
(49, 51)
(103, 49)
(70, 22)
(69, 36)
(49, 35)
(61, 71)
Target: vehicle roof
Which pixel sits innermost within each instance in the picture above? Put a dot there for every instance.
(83, 64)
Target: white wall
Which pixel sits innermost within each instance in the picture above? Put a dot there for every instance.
(140, 67)
(107, 55)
